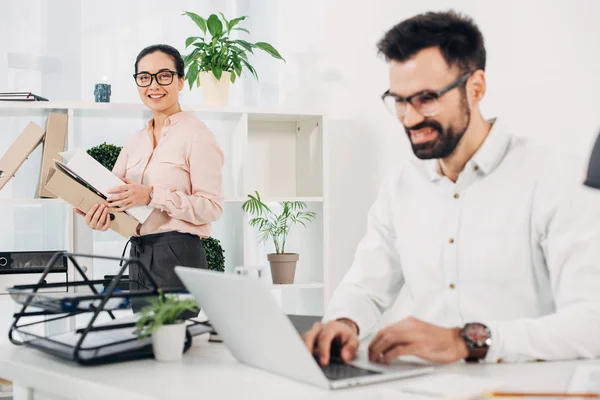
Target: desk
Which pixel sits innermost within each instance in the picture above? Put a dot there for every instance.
(209, 371)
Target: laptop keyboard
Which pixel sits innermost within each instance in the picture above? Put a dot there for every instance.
(337, 370)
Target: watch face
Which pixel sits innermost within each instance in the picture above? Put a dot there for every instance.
(479, 334)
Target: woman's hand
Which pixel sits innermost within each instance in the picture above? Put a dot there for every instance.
(129, 195)
(97, 217)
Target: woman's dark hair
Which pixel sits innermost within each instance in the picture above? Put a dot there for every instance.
(168, 50)
(457, 36)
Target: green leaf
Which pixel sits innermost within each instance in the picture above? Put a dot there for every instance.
(234, 22)
(225, 20)
(250, 68)
(201, 22)
(232, 77)
(215, 26)
(191, 40)
(190, 57)
(246, 45)
(269, 49)
(217, 72)
(241, 29)
(200, 45)
(192, 74)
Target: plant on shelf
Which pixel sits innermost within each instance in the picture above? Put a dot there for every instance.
(217, 58)
(105, 154)
(276, 227)
(215, 256)
(161, 320)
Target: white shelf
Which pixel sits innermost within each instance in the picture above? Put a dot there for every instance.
(279, 152)
(254, 113)
(311, 285)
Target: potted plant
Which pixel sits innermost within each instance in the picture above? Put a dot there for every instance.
(215, 256)
(161, 320)
(105, 154)
(219, 59)
(276, 227)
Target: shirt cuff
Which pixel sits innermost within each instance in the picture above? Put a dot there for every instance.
(494, 354)
(159, 198)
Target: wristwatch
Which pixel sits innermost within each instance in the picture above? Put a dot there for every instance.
(478, 339)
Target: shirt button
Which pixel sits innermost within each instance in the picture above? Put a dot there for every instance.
(476, 168)
(451, 240)
(456, 195)
(452, 286)
(500, 361)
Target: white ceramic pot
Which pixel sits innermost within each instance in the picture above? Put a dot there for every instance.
(168, 341)
(215, 92)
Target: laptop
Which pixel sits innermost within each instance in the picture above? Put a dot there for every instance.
(259, 334)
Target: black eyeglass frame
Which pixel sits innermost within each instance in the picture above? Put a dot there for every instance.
(154, 77)
(435, 94)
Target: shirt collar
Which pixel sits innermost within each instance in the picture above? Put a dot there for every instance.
(492, 150)
(486, 158)
(173, 119)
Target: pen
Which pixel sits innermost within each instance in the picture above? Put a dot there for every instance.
(541, 394)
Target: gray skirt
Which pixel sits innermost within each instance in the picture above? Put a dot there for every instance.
(161, 253)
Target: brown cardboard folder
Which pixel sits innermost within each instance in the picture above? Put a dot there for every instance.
(54, 143)
(75, 191)
(18, 152)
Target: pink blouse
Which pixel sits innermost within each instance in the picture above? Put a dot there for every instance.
(185, 171)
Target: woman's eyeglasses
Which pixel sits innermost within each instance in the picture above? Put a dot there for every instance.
(163, 78)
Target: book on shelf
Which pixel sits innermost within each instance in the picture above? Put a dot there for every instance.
(5, 385)
(21, 96)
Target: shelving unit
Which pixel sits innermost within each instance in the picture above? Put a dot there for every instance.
(279, 153)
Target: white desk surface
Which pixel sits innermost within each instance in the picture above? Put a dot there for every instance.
(209, 371)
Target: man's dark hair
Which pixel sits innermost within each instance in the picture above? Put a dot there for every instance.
(168, 50)
(457, 36)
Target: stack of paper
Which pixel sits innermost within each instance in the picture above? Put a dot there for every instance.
(448, 386)
(101, 179)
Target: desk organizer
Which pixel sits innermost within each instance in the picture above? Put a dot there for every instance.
(95, 343)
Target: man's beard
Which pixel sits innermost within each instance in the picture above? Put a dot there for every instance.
(446, 140)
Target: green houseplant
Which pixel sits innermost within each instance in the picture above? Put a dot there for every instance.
(215, 256)
(216, 58)
(105, 154)
(161, 320)
(276, 227)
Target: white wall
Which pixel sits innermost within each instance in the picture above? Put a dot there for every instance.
(542, 73)
(543, 64)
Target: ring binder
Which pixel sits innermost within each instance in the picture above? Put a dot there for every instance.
(95, 343)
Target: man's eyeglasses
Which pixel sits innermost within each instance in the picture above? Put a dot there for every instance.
(426, 102)
(163, 78)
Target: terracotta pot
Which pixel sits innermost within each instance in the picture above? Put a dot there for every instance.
(283, 267)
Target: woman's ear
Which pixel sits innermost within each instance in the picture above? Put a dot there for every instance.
(181, 83)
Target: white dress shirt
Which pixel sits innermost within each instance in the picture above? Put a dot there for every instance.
(513, 244)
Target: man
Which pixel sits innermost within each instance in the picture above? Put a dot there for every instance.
(496, 241)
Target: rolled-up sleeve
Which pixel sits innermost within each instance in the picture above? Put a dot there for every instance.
(205, 203)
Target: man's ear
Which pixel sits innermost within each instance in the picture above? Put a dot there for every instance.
(476, 87)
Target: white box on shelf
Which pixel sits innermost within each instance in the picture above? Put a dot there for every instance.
(94, 173)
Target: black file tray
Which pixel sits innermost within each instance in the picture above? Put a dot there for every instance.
(96, 343)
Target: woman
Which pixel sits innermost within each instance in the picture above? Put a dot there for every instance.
(172, 165)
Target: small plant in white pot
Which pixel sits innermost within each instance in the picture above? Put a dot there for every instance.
(276, 227)
(219, 59)
(161, 320)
